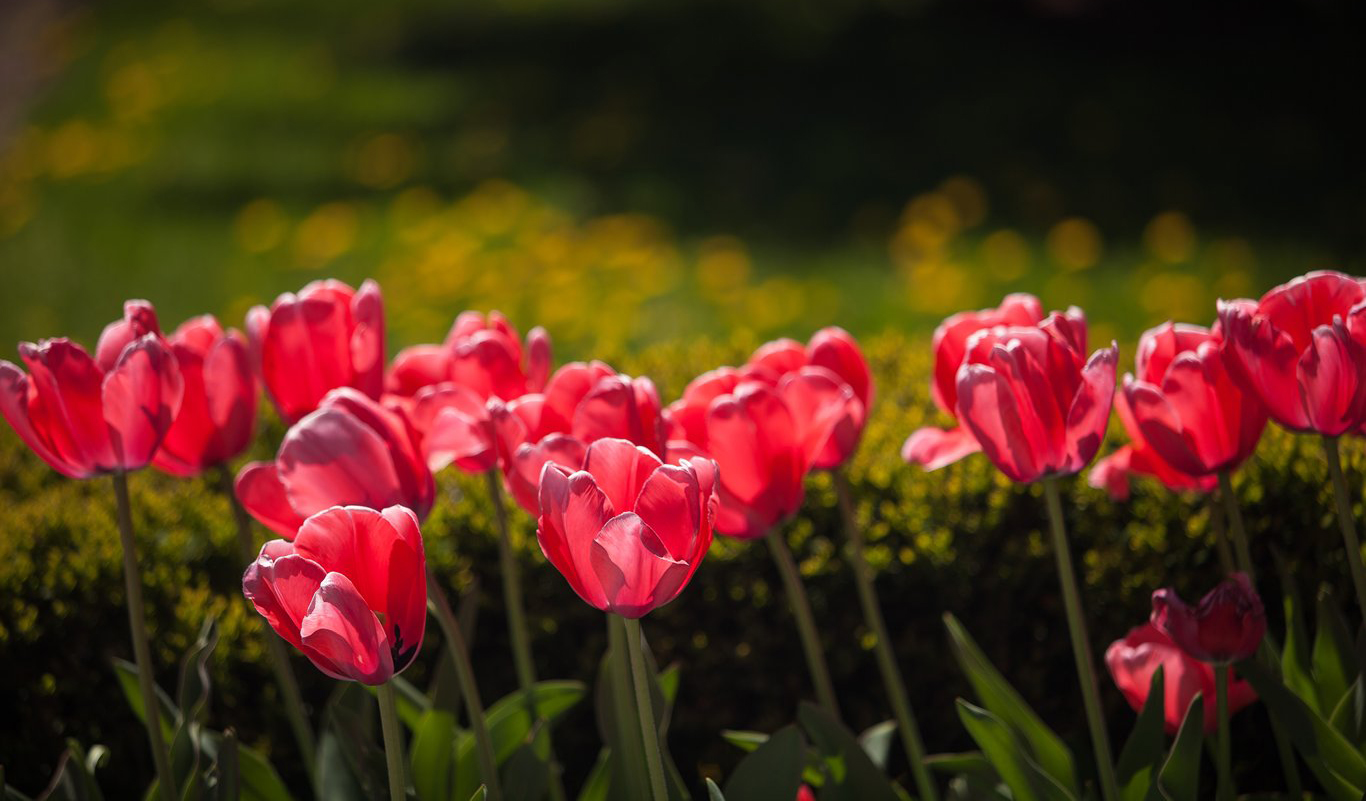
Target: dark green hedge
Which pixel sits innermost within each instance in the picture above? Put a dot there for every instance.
(962, 540)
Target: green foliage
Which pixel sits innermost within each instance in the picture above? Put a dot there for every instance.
(962, 540)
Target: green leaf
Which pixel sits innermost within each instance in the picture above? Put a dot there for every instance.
(595, 786)
(744, 740)
(850, 774)
(1350, 714)
(432, 760)
(1144, 751)
(1179, 778)
(127, 673)
(1334, 655)
(1296, 666)
(773, 772)
(73, 780)
(526, 774)
(1007, 754)
(351, 762)
(1339, 767)
(480, 794)
(187, 743)
(877, 742)
(714, 792)
(996, 695)
(510, 725)
(968, 762)
(227, 784)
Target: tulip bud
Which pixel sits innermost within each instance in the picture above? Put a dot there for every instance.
(1226, 626)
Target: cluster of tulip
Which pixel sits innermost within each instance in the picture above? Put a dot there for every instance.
(627, 491)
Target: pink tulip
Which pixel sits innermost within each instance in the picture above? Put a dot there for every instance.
(1134, 659)
(833, 354)
(933, 448)
(87, 416)
(1302, 350)
(458, 427)
(1031, 402)
(351, 450)
(1186, 417)
(218, 414)
(627, 531)
(482, 354)
(350, 591)
(1226, 626)
(326, 337)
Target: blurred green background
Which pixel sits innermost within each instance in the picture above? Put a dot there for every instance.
(625, 173)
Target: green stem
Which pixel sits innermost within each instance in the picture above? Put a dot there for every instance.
(1216, 519)
(1081, 646)
(279, 656)
(1224, 747)
(649, 734)
(516, 614)
(1346, 522)
(393, 741)
(806, 622)
(1235, 520)
(628, 747)
(142, 652)
(886, 660)
(464, 674)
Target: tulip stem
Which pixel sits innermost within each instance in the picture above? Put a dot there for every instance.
(886, 659)
(393, 741)
(464, 674)
(516, 614)
(1216, 520)
(649, 733)
(1224, 748)
(628, 747)
(142, 652)
(1345, 521)
(806, 622)
(279, 657)
(1235, 521)
(1081, 646)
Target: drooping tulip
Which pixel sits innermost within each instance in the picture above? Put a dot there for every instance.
(1302, 350)
(1226, 626)
(483, 354)
(218, 413)
(627, 531)
(832, 354)
(1031, 401)
(350, 450)
(933, 448)
(349, 591)
(1133, 660)
(1186, 417)
(325, 337)
(87, 416)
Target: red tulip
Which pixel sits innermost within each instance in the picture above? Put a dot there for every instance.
(458, 427)
(350, 591)
(1134, 659)
(351, 450)
(835, 354)
(627, 531)
(805, 793)
(1302, 350)
(87, 416)
(218, 413)
(1186, 417)
(933, 448)
(484, 355)
(327, 336)
(1025, 394)
(1226, 626)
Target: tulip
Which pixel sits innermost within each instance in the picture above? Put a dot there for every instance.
(627, 531)
(349, 591)
(85, 416)
(1226, 626)
(483, 354)
(832, 354)
(1134, 659)
(326, 337)
(109, 414)
(218, 413)
(351, 450)
(933, 448)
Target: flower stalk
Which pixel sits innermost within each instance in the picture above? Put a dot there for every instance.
(806, 622)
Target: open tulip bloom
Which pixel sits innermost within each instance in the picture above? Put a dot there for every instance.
(217, 414)
(1133, 661)
(308, 344)
(483, 354)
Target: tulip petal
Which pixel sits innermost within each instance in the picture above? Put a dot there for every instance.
(367, 340)
(608, 410)
(524, 470)
(330, 458)
(538, 359)
(417, 367)
(344, 636)
(632, 567)
(487, 364)
(262, 493)
(16, 396)
(141, 396)
(990, 411)
(834, 349)
(281, 585)
(1160, 427)
(933, 448)
(574, 510)
(1331, 390)
(1264, 362)
(563, 392)
(66, 405)
(669, 505)
(1089, 413)
(819, 401)
(620, 469)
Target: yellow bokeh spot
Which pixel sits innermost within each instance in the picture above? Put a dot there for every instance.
(1074, 243)
(72, 149)
(1175, 296)
(936, 287)
(260, 226)
(1005, 255)
(384, 161)
(325, 234)
(969, 199)
(133, 91)
(1235, 263)
(1170, 237)
(723, 267)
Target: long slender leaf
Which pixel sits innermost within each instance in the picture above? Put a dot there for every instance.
(1180, 776)
(1143, 752)
(1007, 754)
(1333, 658)
(850, 773)
(1297, 668)
(595, 786)
(773, 772)
(714, 792)
(432, 760)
